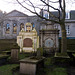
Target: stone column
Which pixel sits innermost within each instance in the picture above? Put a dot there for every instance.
(42, 38)
(18, 28)
(3, 31)
(11, 28)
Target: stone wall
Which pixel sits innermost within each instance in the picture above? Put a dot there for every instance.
(17, 18)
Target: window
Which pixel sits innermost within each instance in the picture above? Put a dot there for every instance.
(41, 27)
(56, 26)
(7, 28)
(67, 29)
(21, 26)
(67, 15)
(14, 28)
(33, 25)
(46, 14)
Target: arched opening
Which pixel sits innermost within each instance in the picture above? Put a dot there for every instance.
(33, 25)
(21, 26)
(14, 28)
(7, 28)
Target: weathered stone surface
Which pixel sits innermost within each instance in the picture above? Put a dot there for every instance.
(49, 38)
(14, 54)
(29, 66)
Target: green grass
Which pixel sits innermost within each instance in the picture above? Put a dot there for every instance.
(23, 55)
(51, 69)
(7, 69)
(74, 54)
(3, 56)
(20, 56)
(56, 71)
(49, 61)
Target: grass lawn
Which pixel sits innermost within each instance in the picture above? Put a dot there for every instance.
(7, 69)
(49, 69)
(56, 71)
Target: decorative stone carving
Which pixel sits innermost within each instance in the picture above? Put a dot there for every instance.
(49, 43)
(28, 40)
(49, 38)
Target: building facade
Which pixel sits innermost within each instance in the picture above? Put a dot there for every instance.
(69, 22)
(13, 23)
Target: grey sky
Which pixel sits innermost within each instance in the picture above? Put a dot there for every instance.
(9, 5)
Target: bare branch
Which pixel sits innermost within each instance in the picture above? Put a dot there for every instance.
(53, 1)
(37, 13)
(50, 5)
(37, 6)
(52, 15)
(32, 5)
(25, 7)
(60, 1)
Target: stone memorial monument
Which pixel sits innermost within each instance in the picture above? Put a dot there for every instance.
(49, 37)
(28, 40)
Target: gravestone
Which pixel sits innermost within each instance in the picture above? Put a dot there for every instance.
(14, 53)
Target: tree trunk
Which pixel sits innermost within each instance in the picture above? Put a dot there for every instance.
(63, 39)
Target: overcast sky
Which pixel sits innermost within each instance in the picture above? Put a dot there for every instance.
(8, 5)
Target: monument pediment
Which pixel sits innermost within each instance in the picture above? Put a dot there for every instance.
(16, 13)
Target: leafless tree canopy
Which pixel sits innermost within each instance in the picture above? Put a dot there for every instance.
(48, 5)
(36, 5)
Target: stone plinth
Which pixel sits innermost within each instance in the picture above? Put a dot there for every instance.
(29, 66)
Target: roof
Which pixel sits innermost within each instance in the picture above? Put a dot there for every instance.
(16, 13)
(71, 15)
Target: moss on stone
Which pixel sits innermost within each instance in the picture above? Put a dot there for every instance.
(3, 56)
(15, 46)
(39, 52)
(61, 55)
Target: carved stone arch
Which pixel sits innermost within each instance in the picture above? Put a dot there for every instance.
(7, 28)
(27, 42)
(14, 27)
(49, 38)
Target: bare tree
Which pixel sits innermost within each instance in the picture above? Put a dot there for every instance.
(60, 19)
(2, 17)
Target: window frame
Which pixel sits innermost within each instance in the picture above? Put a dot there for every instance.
(7, 31)
(15, 27)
